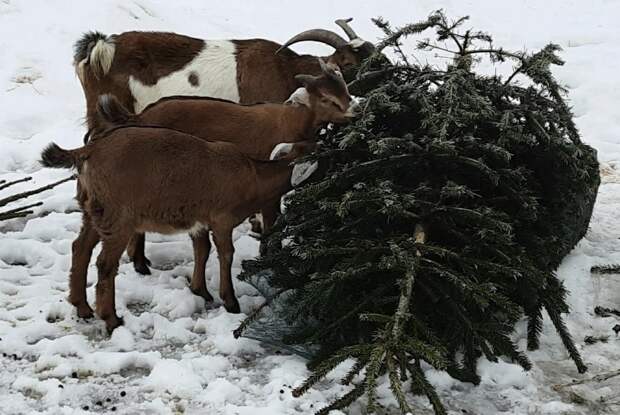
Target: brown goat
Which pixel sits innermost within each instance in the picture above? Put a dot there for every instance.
(139, 179)
(141, 67)
(255, 129)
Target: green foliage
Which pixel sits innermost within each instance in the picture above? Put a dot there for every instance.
(436, 224)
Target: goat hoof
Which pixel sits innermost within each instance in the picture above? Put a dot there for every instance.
(142, 267)
(84, 311)
(232, 306)
(202, 292)
(113, 323)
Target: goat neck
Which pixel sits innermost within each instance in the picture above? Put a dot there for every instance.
(273, 178)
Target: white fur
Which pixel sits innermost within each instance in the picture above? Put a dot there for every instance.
(302, 171)
(101, 57)
(215, 66)
(299, 97)
(197, 228)
(357, 42)
(280, 150)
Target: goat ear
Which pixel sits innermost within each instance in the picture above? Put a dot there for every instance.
(324, 67)
(305, 80)
(329, 68)
(281, 150)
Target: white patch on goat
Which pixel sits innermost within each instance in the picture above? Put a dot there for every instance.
(101, 57)
(216, 69)
(302, 171)
(357, 42)
(299, 97)
(197, 228)
(280, 150)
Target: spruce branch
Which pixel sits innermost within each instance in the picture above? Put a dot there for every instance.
(601, 377)
(18, 212)
(396, 384)
(534, 328)
(420, 382)
(374, 369)
(255, 314)
(606, 269)
(29, 193)
(359, 365)
(569, 344)
(344, 401)
(4, 184)
(606, 312)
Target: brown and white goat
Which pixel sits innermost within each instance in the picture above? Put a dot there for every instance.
(141, 67)
(139, 179)
(255, 129)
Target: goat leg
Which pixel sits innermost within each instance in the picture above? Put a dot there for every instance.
(222, 236)
(107, 267)
(82, 249)
(135, 251)
(270, 213)
(202, 247)
(256, 221)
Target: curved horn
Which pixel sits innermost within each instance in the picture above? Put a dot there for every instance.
(344, 24)
(317, 35)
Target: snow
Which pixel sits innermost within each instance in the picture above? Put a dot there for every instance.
(173, 356)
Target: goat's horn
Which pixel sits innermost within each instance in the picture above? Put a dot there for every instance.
(317, 35)
(344, 24)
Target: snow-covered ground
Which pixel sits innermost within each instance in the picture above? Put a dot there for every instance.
(172, 356)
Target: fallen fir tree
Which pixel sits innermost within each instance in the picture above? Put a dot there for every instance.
(436, 225)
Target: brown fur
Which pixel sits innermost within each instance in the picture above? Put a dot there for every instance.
(147, 56)
(210, 183)
(262, 75)
(273, 79)
(255, 129)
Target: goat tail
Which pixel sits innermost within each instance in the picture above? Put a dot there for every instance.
(111, 113)
(93, 52)
(57, 157)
